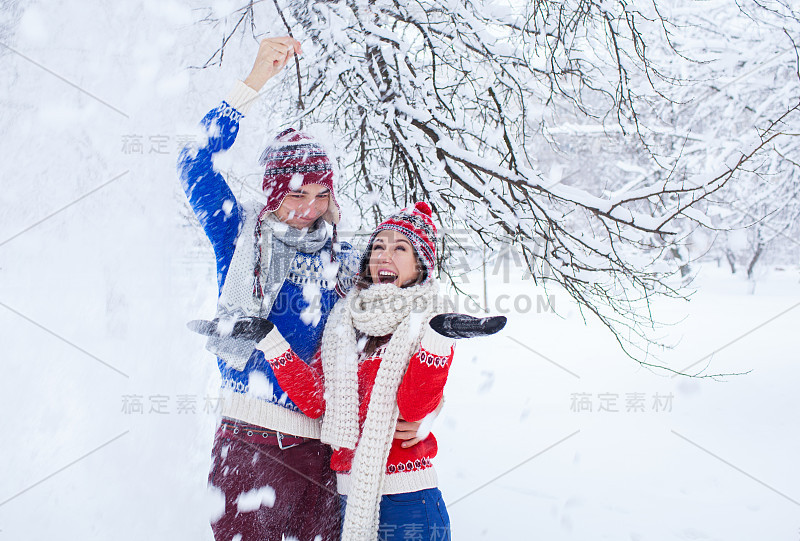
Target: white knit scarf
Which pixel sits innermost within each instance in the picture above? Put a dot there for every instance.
(379, 310)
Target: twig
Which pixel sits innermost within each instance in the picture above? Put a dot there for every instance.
(296, 63)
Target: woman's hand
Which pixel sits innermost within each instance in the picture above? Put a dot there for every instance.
(273, 54)
(464, 326)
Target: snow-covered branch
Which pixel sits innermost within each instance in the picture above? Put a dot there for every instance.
(467, 103)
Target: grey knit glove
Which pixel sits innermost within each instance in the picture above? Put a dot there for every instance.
(233, 343)
(464, 326)
(246, 328)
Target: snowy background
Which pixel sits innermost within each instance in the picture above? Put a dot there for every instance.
(549, 431)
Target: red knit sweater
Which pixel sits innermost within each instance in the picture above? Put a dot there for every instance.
(419, 394)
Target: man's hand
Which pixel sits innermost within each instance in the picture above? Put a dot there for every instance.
(246, 328)
(252, 328)
(273, 54)
(408, 431)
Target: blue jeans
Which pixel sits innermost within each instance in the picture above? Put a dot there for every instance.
(417, 516)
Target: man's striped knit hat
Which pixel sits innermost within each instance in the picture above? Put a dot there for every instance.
(416, 224)
(294, 159)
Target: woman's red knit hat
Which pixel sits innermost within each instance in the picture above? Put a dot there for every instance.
(416, 224)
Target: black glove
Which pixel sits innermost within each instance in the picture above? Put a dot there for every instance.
(464, 326)
(246, 328)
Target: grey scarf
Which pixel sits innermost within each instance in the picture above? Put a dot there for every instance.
(265, 249)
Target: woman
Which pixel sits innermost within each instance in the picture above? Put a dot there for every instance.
(384, 355)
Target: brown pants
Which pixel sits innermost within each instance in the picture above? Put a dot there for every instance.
(305, 505)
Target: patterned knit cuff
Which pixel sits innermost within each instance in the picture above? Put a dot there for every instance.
(273, 345)
(435, 343)
(241, 97)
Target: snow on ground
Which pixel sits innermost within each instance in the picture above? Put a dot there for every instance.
(528, 446)
(577, 442)
(109, 399)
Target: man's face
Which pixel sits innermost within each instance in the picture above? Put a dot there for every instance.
(303, 207)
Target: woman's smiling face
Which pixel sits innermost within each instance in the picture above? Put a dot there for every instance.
(393, 259)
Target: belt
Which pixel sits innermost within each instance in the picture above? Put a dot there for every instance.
(260, 435)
